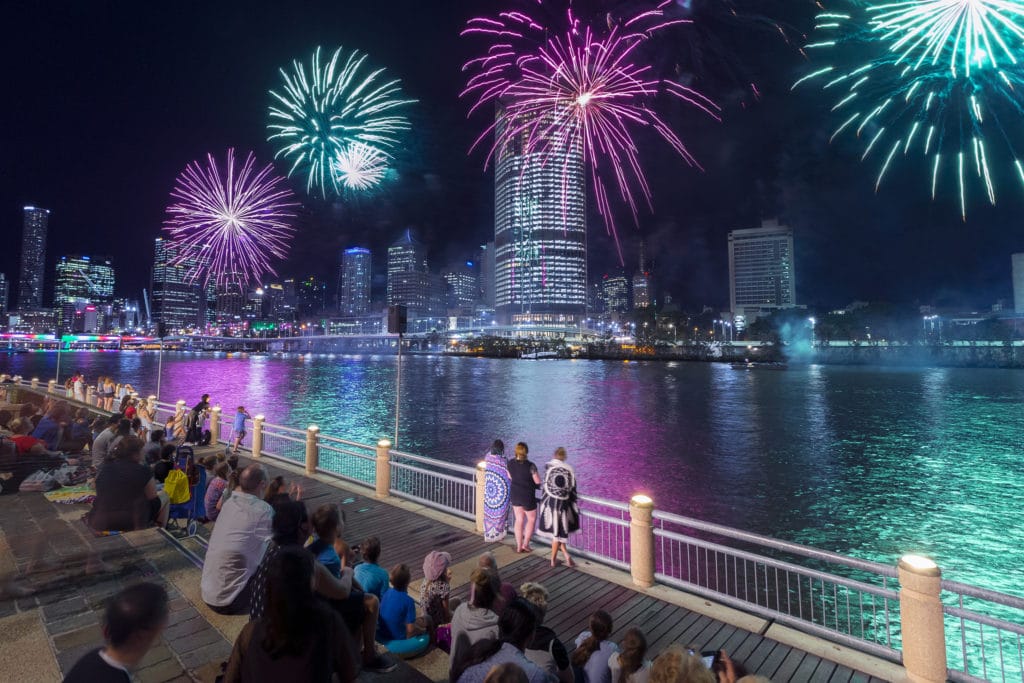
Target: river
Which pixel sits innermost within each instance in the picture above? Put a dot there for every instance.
(866, 461)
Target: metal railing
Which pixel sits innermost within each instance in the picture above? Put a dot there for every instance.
(446, 486)
(348, 460)
(981, 641)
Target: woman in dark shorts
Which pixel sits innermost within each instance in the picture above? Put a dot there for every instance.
(126, 494)
(525, 481)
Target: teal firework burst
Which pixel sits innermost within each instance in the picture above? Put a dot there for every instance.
(938, 79)
(322, 111)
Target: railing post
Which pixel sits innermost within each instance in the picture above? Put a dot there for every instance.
(179, 417)
(215, 425)
(312, 449)
(51, 386)
(641, 540)
(383, 468)
(481, 490)
(921, 619)
(35, 383)
(89, 396)
(257, 436)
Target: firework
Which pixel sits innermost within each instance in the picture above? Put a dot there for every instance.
(229, 222)
(935, 78)
(324, 110)
(585, 89)
(359, 166)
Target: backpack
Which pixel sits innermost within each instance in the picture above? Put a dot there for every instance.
(176, 487)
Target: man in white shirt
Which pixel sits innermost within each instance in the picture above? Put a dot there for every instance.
(101, 445)
(237, 544)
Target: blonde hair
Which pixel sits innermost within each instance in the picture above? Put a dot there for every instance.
(536, 595)
(522, 450)
(676, 665)
(560, 453)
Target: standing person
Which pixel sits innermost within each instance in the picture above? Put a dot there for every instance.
(196, 419)
(79, 387)
(497, 488)
(525, 481)
(99, 390)
(133, 621)
(559, 511)
(239, 426)
(109, 389)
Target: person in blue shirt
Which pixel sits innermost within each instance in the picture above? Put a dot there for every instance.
(326, 522)
(239, 426)
(370, 575)
(398, 629)
(50, 425)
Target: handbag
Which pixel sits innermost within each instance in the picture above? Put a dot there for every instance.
(39, 481)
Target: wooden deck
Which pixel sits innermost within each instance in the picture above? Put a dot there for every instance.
(408, 532)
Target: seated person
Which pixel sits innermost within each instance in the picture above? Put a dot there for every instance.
(155, 444)
(132, 623)
(399, 629)
(475, 620)
(594, 649)
(515, 629)
(126, 494)
(629, 665)
(677, 664)
(103, 443)
(165, 464)
(278, 490)
(25, 443)
(370, 575)
(326, 521)
(436, 588)
(80, 433)
(215, 490)
(546, 650)
(298, 638)
(507, 593)
(51, 425)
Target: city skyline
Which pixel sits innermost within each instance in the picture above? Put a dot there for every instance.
(768, 158)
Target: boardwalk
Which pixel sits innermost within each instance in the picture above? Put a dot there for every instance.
(63, 614)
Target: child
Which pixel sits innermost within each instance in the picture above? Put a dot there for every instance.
(326, 522)
(239, 427)
(436, 587)
(370, 575)
(398, 628)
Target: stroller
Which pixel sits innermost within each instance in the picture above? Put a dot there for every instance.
(186, 486)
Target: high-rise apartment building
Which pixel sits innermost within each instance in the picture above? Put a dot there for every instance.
(409, 282)
(81, 281)
(761, 273)
(33, 258)
(178, 302)
(1017, 262)
(354, 282)
(642, 282)
(540, 239)
(4, 291)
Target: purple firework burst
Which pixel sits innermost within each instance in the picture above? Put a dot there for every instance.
(228, 223)
(581, 89)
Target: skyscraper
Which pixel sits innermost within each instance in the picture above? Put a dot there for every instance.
(33, 258)
(540, 239)
(3, 294)
(81, 280)
(354, 286)
(761, 276)
(177, 302)
(409, 283)
(642, 282)
(615, 293)
(486, 262)
(463, 287)
(1017, 262)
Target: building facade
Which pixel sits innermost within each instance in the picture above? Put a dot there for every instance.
(761, 271)
(540, 240)
(354, 281)
(178, 303)
(615, 293)
(33, 257)
(82, 281)
(4, 291)
(462, 283)
(409, 282)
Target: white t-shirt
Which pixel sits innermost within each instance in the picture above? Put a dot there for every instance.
(641, 675)
(237, 544)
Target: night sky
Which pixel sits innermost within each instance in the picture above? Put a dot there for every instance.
(106, 102)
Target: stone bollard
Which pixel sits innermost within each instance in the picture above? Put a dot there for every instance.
(51, 386)
(35, 383)
(179, 417)
(383, 468)
(90, 396)
(257, 436)
(641, 540)
(481, 494)
(215, 425)
(921, 619)
(312, 449)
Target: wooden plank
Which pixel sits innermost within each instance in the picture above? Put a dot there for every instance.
(821, 673)
(790, 663)
(756, 659)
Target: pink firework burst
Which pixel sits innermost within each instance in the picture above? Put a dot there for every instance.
(583, 89)
(228, 223)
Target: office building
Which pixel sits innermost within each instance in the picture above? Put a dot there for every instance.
(179, 303)
(312, 293)
(81, 281)
(485, 260)
(3, 295)
(229, 299)
(409, 282)
(761, 273)
(354, 278)
(642, 282)
(1017, 262)
(462, 283)
(615, 293)
(33, 258)
(540, 241)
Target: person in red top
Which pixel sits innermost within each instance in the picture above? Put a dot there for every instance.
(25, 443)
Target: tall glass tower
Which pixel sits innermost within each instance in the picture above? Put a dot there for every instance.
(354, 288)
(33, 258)
(540, 239)
(178, 302)
(81, 279)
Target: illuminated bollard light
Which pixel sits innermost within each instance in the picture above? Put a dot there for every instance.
(921, 619)
(383, 480)
(35, 383)
(51, 386)
(312, 449)
(257, 436)
(179, 417)
(90, 394)
(641, 540)
(215, 425)
(481, 494)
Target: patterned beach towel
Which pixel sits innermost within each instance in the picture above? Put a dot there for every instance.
(71, 495)
(497, 494)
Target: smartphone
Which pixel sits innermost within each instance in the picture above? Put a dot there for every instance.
(710, 659)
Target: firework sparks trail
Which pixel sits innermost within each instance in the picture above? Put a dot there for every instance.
(360, 167)
(323, 111)
(229, 224)
(934, 77)
(578, 90)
